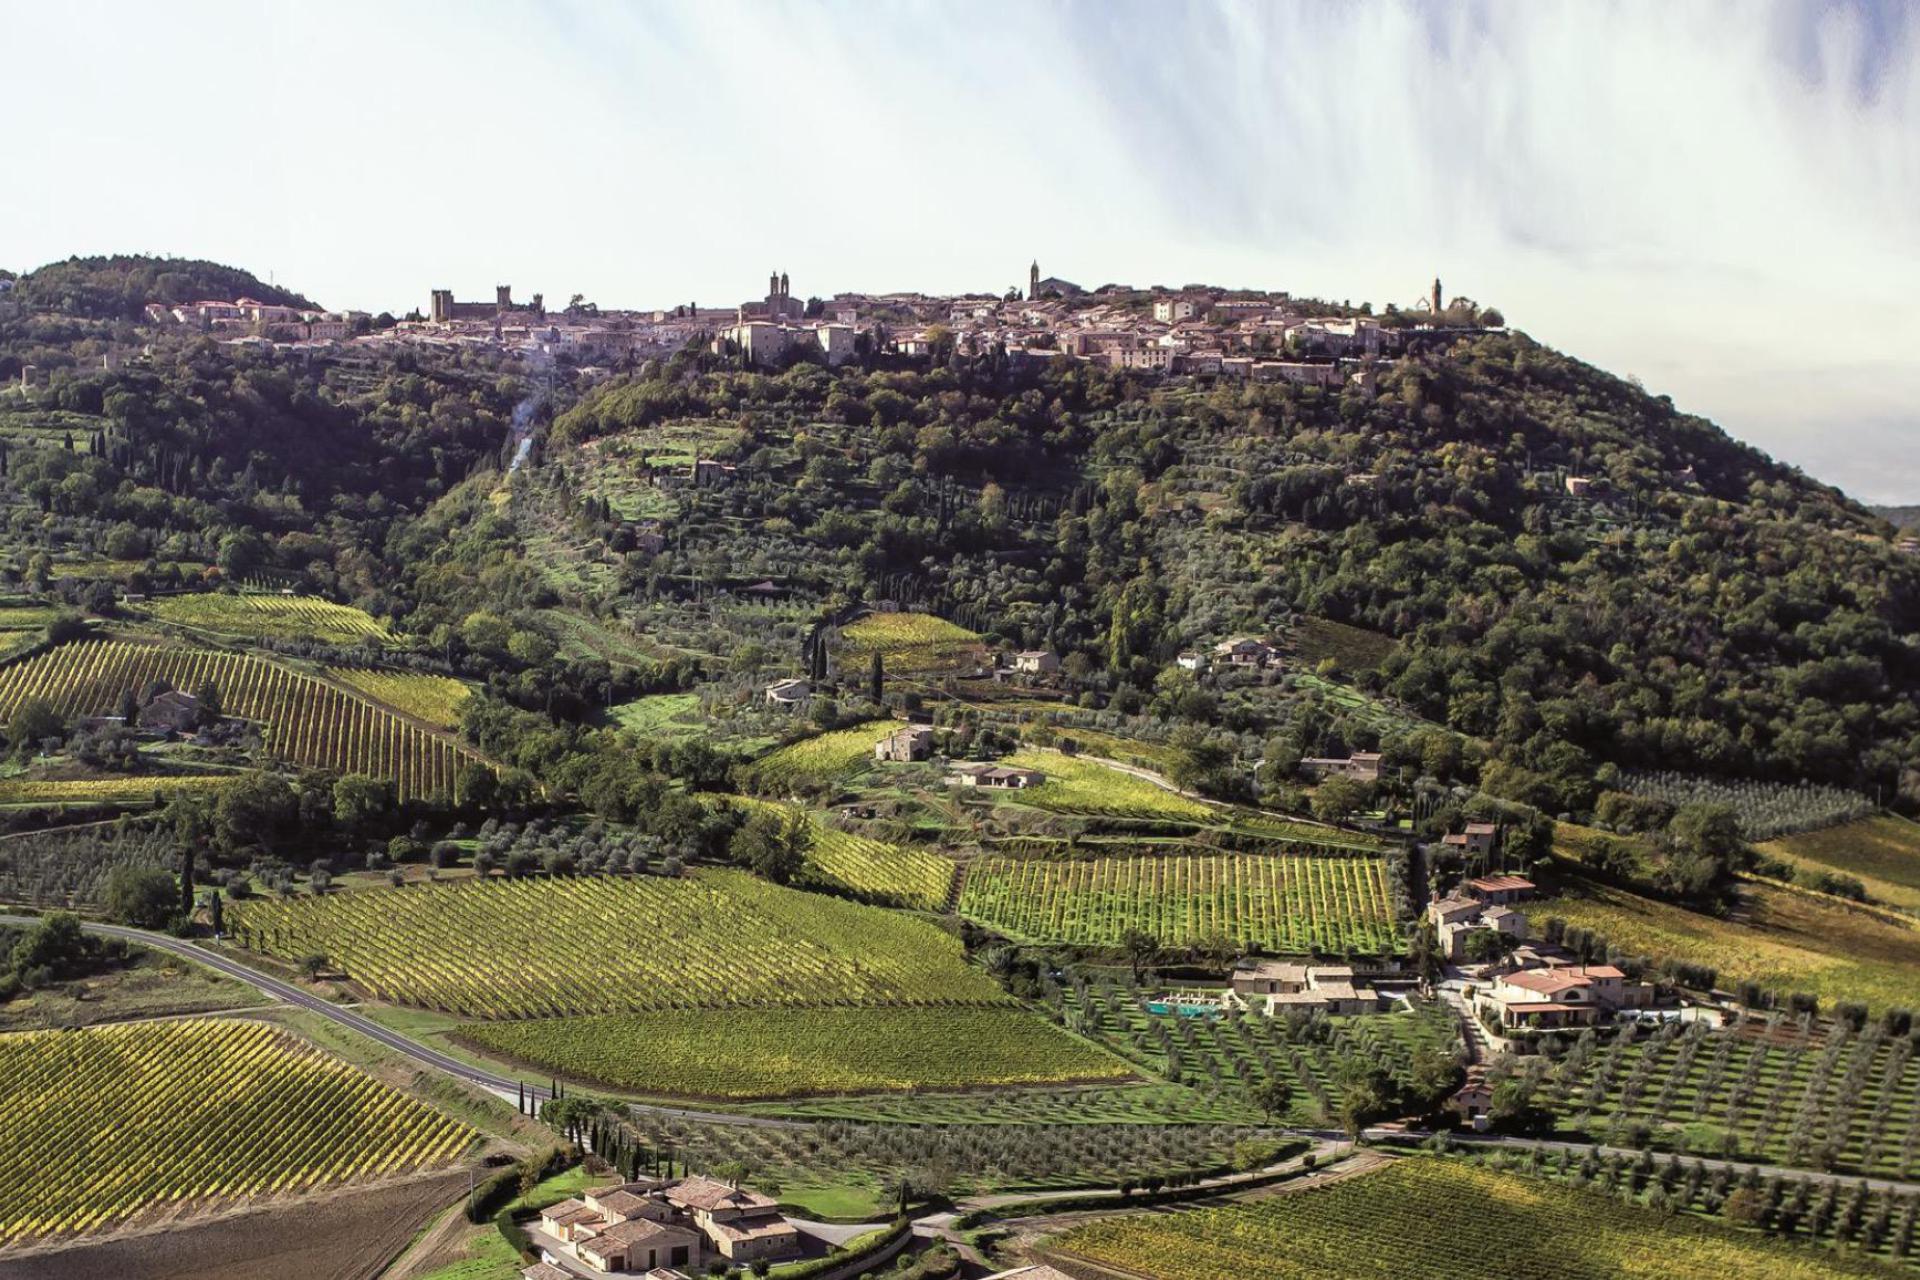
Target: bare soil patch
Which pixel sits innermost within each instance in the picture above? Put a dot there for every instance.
(345, 1235)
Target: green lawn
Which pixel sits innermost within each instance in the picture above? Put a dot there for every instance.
(660, 715)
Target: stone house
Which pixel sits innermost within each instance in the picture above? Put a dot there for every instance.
(997, 776)
(1244, 651)
(171, 712)
(1361, 766)
(1477, 839)
(1498, 889)
(915, 742)
(741, 1225)
(788, 693)
(1036, 661)
(1285, 986)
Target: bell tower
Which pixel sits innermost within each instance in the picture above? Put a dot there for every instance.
(1033, 281)
(1436, 295)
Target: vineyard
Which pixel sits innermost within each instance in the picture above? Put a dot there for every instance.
(307, 721)
(127, 789)
(1765, 809)
(1081, 786)
(777, 1053)
(271, 617)
(822, 760)
(104, 1126)
(552, 947)
(908, 642)
(1273, 903)
(1830, 1099)
(434, 699)
(1783, 941)
(1441, 1220)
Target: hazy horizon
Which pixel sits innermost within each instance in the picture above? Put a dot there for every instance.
(1715, 199)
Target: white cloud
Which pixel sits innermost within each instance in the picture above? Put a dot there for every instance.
(1716, 197)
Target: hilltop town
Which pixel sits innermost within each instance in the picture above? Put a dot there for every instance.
(1244, 334)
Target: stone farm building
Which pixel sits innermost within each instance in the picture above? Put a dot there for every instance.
(648, 1225)
(1285, 986)
(915, 742)
(1361, 766)
(998, 776)
(788, 693)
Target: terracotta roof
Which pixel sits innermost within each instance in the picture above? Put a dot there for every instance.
(544, 1271)
(1481, 829)
(568, 1212)
(1500, 884)
(758, 1227)
(640, 1230)
(704, 1193)
(1546, 984)
(621, 1201)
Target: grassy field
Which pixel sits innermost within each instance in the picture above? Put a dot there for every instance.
(108, 1125)
(1084, 786)
(306, 721)
(1441, 1220)
(1783, 940)
(822, 760)
(422, 695)
(908, 643)
(1883, 851)
(553, 947)
(778, 1053)
(275, 617)
(152, 984)
(1281, 904)
(1826, 1097)
(661, 715)
(890, 874)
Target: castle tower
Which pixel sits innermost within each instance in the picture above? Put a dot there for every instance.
(1436, 294)
(503, 297)
(442, 309)
(783, 284)
(1033, 281)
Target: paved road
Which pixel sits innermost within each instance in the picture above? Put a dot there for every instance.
(505, 1086)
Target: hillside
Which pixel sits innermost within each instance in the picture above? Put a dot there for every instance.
(1901, 517)
(118, 286)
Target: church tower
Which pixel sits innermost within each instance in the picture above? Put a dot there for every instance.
(1033, 281)
(1436, 295)
(783, 284)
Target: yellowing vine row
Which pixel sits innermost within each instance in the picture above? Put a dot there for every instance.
(1277, 903)
(105, 1125)
(307, 721)
(550, 947)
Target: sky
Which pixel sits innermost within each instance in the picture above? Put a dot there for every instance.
(1720, 199)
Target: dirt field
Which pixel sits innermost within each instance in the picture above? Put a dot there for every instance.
(348, 1235)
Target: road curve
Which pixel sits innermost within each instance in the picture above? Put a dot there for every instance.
(506, 1086)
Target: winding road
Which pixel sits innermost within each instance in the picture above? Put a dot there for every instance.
(505, 1086)
(510, 1087)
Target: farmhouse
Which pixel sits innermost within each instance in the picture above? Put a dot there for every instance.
(1501, 889)
(915, 742)
(171, 712)
(1362, 766)
(742, 1225)
(788, 693)
(1037, 661)
(1287, 986)
(652, 1224)
(1569, 996)
(1457, 917)
(1473, 1101)
(1476, 839)
(1244, 651)
(997, 776)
